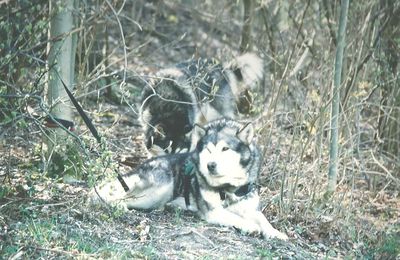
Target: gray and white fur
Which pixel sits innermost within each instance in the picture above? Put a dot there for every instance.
(218, 179)
(193, 92)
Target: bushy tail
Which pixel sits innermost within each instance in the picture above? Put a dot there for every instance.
(247, 71)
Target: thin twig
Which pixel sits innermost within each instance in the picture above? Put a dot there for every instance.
(388, 174)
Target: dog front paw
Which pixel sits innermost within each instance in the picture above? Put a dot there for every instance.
(250, 228)
(273, 233)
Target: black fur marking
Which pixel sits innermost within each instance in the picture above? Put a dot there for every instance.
(189, 171)
(238, 74)
(244, 150)
(170, 108)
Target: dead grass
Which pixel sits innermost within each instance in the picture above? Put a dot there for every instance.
(42, 217)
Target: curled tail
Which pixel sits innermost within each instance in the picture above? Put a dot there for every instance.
(246, 73)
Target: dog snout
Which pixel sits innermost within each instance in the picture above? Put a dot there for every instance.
(211, 166)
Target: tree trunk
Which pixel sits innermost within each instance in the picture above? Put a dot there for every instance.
(61, 61)
(246, 30)
(389, 113)
(334, 142)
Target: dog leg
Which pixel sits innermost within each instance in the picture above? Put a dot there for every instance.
(266, 228)
(223, 217)
(149, 197)
(253, 223)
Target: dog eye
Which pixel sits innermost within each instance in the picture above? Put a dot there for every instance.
(225, 148)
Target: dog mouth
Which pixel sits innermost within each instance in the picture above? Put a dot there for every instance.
(219, 176)
(226, 178)
(214, 174)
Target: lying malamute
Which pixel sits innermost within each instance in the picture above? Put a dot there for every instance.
(194, 92)
(218, 179)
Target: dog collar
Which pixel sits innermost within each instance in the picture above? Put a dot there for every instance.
(242, 191)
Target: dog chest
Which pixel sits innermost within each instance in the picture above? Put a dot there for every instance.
(211, 198)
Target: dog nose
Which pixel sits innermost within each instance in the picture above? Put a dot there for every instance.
(211, 166)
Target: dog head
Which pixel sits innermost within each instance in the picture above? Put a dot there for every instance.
(162, 139)
(227, 154)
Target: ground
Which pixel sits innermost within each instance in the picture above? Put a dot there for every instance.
(45, 217)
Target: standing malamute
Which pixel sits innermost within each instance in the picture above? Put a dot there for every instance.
(194, 92)
(218, 179)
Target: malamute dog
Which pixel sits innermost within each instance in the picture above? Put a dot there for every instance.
(194, 92)
(218, 179)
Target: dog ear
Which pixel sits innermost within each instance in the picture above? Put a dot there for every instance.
(246, 133)
(199, 131)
